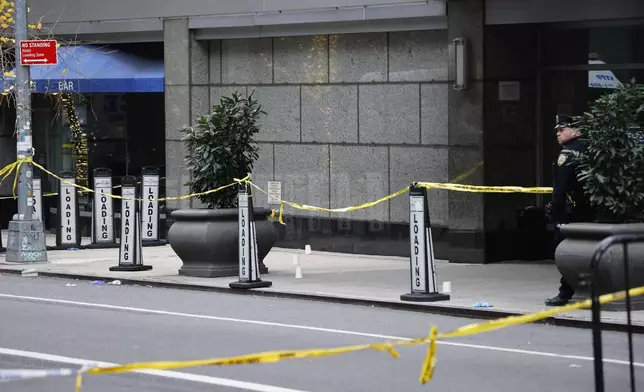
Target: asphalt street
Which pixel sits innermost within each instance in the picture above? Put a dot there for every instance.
(46, 323)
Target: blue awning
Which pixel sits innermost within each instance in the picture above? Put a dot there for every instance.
(91, 69)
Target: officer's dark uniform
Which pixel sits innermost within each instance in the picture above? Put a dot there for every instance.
(569, 204)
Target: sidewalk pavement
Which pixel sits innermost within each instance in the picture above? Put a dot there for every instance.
(511, 288)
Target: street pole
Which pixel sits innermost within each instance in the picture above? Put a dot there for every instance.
(26, 242)
(23, 115)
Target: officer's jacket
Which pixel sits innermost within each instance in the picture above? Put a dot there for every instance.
(568, 199)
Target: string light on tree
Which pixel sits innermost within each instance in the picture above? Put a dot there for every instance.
(79, 138)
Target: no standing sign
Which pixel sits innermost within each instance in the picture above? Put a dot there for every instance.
(40, 52)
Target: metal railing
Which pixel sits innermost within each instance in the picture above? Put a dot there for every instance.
(602, 248)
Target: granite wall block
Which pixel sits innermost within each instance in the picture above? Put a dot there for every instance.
(282, 105)
(199, 59)
(301, 59)
(176, 51)
(389, 114)
(215, 61)
(434, 113)
(177, 110)
(216, 92)
(465, 208)
(411, 164)
(176, 174)
(466, 116)
(304, 173)
(330, 114)
(358, 58)
(418, 55)
(360, 174)
(199, 101)
(262, 173)
(247, 61)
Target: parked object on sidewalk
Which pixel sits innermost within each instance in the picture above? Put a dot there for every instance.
(298, 266)
(424, 287)
(530, 243)
(29, 272)
(612, 176)
(103, 231)
(482, 304)
(131, 247)
(249, 275)
(150, 224)
(68, 233)
(220, 148)
(2, 249)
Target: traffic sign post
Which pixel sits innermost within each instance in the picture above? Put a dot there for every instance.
(26, 242)
(422, 268)
(131, 250)
(249, 274)
(39, 52)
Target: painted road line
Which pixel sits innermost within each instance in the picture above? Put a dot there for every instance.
(249, 386)
(311, 328)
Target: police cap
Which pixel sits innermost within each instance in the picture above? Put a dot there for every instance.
(565, 121)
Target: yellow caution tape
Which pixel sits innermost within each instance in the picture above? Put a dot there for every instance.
(7, 170)
(482, 188)
(305, 207)
(429, 364)
(237, 181)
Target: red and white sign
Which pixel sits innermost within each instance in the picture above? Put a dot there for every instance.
(35, 52)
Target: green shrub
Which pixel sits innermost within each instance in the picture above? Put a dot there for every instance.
(221, 147)
(612, 168)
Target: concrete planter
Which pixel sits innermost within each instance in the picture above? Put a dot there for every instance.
(574, 253)
(206, 240)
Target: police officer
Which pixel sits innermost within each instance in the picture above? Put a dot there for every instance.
(569, 203)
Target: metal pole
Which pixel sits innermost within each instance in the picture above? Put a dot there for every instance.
(628, 315)
(23, 116)
(597, 335)
(26, 242)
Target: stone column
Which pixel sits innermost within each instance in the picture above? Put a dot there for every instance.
(465, 126)
(176, 48)
(186, 96)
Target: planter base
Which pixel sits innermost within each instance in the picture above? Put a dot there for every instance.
(422, 297)
(153, 243)
(102, 246)
(201, 270)
(574, 253)
(250, 285)
(131, 268)
(206, 241)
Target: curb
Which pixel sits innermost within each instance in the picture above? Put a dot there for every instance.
(485, 314)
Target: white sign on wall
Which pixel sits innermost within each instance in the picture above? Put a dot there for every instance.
(509, 91)
(274, 192)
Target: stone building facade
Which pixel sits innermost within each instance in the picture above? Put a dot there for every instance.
(360, 102)
(351, 118)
